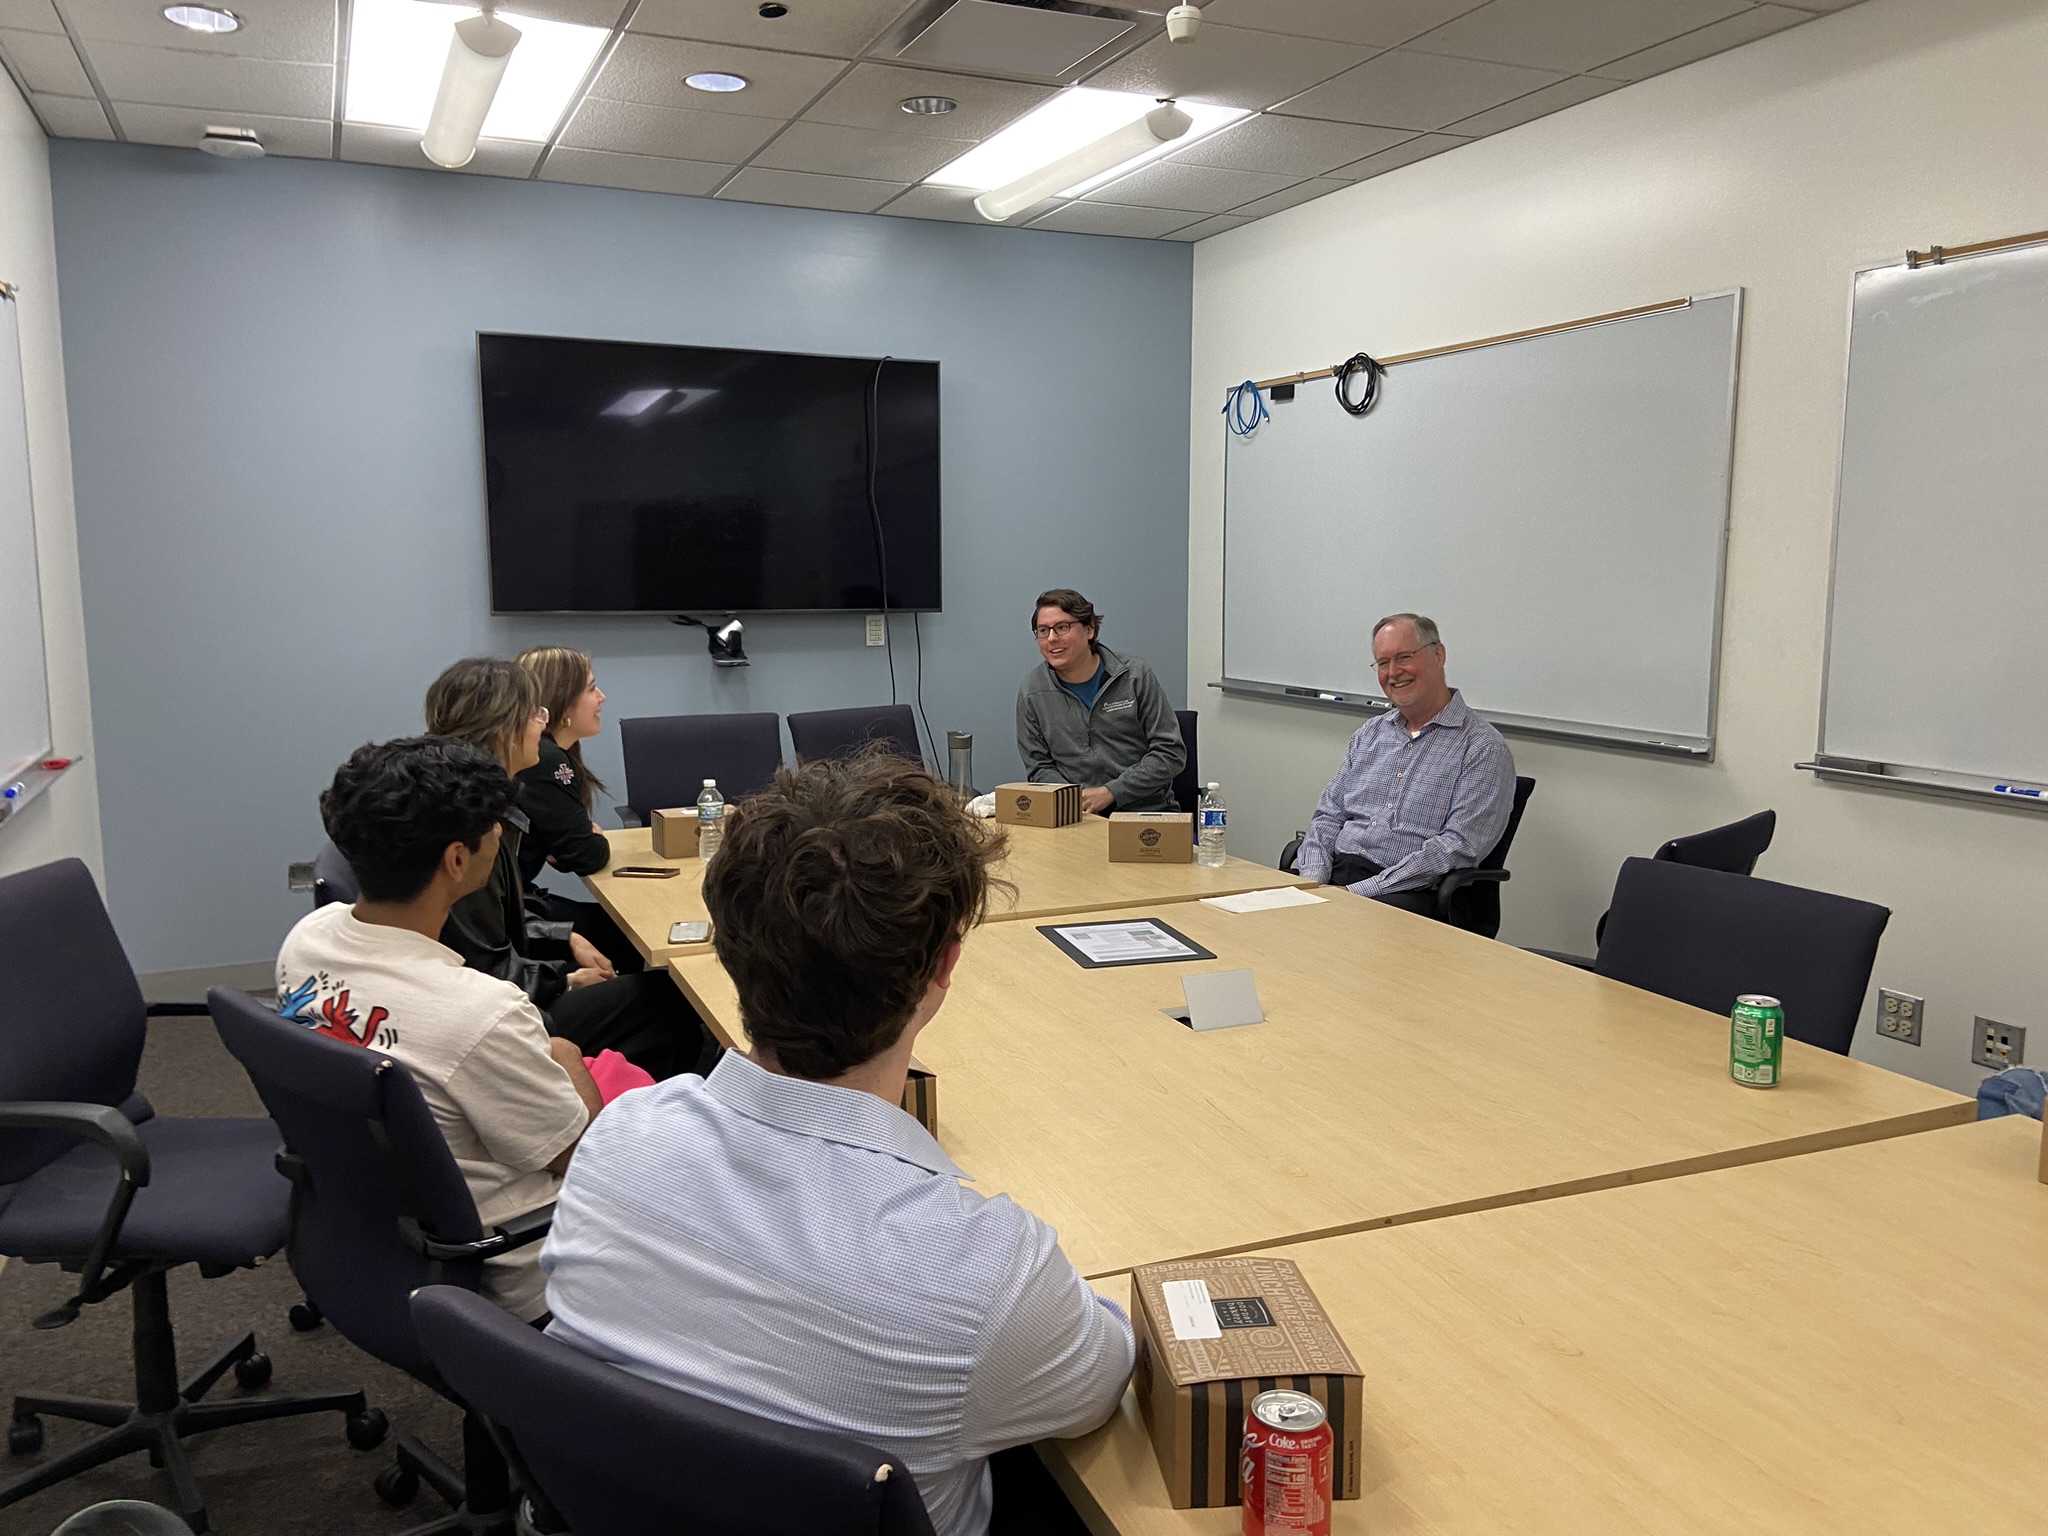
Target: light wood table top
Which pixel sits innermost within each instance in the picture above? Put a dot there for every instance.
(1055, 870)
(1405, 1070)
(1837, 1345)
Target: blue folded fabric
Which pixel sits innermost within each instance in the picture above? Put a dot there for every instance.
(2015, 1091)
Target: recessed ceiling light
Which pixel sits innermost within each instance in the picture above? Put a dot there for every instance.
(202, 18)
(397, 49)
(1076, 117)
(773, 12)
(712, 80)
(928, 106)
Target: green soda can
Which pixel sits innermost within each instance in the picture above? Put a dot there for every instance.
(1756, 1041)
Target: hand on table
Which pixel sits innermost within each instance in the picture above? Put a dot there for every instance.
(1097, 802)
(588, 957)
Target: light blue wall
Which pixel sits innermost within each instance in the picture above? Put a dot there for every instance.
(272, 383)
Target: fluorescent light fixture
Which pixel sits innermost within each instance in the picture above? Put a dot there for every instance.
(1073, 120)
(398, 51)
(713, 80)
(208, 20)
(478, 54)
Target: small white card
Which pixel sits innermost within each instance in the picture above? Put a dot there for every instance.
(1189, 1311)
(1266, 901)
(1220, 1000)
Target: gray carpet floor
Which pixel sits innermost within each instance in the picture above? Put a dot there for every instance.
(295, 1477)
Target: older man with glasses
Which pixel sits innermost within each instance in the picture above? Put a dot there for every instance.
(1091, 717)
(1425, 788)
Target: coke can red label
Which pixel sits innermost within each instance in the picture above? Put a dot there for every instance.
(1286, 1466)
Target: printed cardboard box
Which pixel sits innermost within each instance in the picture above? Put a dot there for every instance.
(1038, 805)
(1151, 837)
(675, 833)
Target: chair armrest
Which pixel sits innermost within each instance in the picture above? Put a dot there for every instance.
(96, 1123)
(1448, 885)
(628, 817)
(529, 1227)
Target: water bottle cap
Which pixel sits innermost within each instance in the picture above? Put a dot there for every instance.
(1214, 785)
(711, 783)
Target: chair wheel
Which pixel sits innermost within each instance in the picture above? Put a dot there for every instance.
(366, 1430)
(398, 1486)
(305, 1317)
(252, 1371)
(25, 1436)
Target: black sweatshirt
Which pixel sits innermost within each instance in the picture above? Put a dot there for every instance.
(551, 795)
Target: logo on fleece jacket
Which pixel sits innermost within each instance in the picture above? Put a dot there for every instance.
(321, 1004)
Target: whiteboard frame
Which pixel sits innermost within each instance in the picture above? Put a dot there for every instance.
(1913, 778)
(35, 777)
(1574, 732)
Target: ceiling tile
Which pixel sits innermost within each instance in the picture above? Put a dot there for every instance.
(1416, 90)
(589, 13)
(1114, 219)
(371, 144)
(1215, 224)
(306, 138)
(634, 173)
(301, 31)
(1002, 37)
(633, 128)
(650, 70)
(950, 203)
(1569, 35)
(47, 63)
(839, 28)
(1197, 188)
(829, 150)
(179, 77)
(1302, 192)
(1289, 146)
(871, 96)
(1526, 109)
(1750, 25)
(1375, 23)
(29, 16)
(1401, 154)
(1229, 67)
(72, 117)
(795, 189)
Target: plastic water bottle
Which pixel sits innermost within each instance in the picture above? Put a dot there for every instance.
(1209, 845)
(710, 820)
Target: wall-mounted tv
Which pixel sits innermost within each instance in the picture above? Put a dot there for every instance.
(624, 477)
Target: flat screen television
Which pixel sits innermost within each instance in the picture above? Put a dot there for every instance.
(624, 477)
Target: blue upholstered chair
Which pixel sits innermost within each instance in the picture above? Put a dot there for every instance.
(823, 734)
(668, 758)
(92, 1179)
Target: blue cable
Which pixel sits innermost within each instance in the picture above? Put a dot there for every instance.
(1244, 420)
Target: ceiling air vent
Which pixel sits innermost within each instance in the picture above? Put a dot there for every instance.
(1014, 39)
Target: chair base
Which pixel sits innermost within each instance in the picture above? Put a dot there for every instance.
(486, 1484)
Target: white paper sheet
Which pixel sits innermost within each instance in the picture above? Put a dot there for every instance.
(1266, 901)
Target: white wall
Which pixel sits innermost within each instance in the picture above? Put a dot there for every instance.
(1780, 167)
(65, 820)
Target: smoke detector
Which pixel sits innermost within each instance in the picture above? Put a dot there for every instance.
(232, 143)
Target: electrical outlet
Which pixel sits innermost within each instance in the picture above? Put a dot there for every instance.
(298, 877)
(1898, 1016)
(1997, 1045)
(876, 634)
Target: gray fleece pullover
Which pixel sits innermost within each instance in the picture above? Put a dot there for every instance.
(1129, 742)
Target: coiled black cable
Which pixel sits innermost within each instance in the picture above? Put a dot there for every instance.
(1358, 363)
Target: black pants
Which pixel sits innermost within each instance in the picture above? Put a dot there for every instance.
(644, 1017)
(1027, 1500)
(594, 923)
(1350, 868)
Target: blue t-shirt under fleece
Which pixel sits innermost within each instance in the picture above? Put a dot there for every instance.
(1087, 691)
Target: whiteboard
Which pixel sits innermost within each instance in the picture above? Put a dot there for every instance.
(24, 679)
(1937, 658)
(1558, 504)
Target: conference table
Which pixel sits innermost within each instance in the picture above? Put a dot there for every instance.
(1405, 1070)
(1836, 1345)
(1053, 870)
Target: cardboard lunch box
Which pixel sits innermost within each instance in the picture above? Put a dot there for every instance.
(1212, 1335)
(1151, 837)
(1038, 805)
(675, 833)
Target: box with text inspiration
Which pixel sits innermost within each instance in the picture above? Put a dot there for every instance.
(1151, 837)
(1212, 1335)
(675, 833)
(1038, 805)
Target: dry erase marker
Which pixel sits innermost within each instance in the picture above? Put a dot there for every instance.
(2020, 789)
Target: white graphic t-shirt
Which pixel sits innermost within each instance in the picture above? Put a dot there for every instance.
(476, 1046)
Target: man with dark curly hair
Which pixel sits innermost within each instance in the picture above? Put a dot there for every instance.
(417, 820)
(780, 1236)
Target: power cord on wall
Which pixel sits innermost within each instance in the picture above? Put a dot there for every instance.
(1359, 363)
(873, 425)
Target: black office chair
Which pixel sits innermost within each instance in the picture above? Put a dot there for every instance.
(1734, 849)
(333, 880)
(378, 1210)
(1187, 784)
(619, 1456)
(1465, 898)
(1704, 936)
(91, 1178)
(823, 734)
(668, 758)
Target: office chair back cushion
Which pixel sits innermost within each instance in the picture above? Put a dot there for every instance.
(668, 757)
(1704, 936)
(333, 880)
(619, 1456)
(341, 1107)
(72, 1018)
(1476, 907)
(831, 733)
(1734, 848)
(1187, 784)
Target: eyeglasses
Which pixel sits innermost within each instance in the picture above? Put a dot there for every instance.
(540, 716)
(1057, 631)
(1401, 658)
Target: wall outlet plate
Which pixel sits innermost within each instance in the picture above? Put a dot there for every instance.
(876, 634)
(299, 877)
(1997, 1045)
(1899, 1015)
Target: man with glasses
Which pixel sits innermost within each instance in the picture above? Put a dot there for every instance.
(1425, 788)
(1094, 718)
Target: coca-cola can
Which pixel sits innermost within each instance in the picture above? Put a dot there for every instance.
(1286, 1466)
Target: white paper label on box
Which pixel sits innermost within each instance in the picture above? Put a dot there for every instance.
(1189, 1312)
